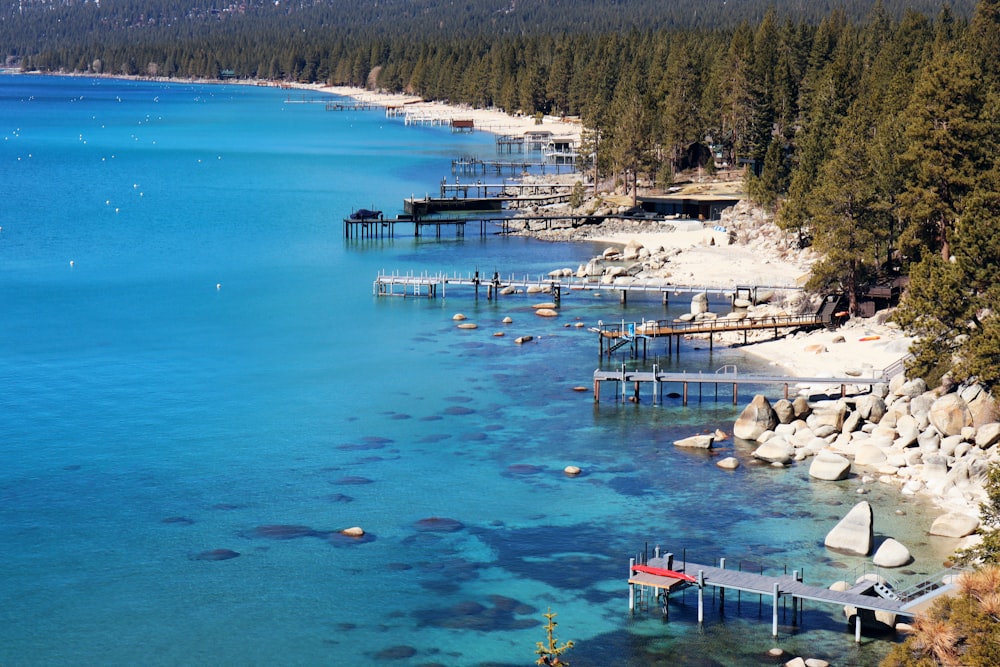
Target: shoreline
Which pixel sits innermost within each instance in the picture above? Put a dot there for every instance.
(699, 256)
(491, 121)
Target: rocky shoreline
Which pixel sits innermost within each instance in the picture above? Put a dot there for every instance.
(936, 442)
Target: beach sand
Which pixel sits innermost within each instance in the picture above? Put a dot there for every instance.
(493, 121)
(869, 345)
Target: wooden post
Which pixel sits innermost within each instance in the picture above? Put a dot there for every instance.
(631, 587)
(701, 596)
(722, 591)
(597, 390)
(774, 612)
(857, 627)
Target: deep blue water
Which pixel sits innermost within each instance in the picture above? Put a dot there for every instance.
(193, 360)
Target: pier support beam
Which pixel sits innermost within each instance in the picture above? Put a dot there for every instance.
(701, 596)
(631, 587)
(774, 612)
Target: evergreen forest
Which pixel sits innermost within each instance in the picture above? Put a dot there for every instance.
(870, 129)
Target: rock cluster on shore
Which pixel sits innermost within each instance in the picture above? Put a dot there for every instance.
(934, 442)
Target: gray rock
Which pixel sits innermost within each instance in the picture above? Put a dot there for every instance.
(801, 407)
(921, 405)
(912, 388)
(871, 408)
(935, 469)
(728, 463)
(832, 413)
(983, 408)
(696, 442)
(699, 303)
(988, 435)
(954, 524)
(783, 408)
(950, 414)
(869, 455)
(906, 428)
(855, 532)
(830, 467)
(852, 422)
(756, 418)
(892, 554)
(929, 442)
(824, 431)
(949, 444)
(881, 390)
(775, 450)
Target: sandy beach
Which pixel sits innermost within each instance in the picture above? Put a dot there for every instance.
(493, 121)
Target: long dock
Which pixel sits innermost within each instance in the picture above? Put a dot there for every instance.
(475, 166)
(612, 336)
(430, 284)
(378, 228)
(624, 380)
(661, 575)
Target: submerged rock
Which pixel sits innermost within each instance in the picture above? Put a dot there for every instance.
(696, 442)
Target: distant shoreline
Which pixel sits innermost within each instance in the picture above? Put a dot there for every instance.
(492, 121)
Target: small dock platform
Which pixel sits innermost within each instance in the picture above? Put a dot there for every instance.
(660, 575)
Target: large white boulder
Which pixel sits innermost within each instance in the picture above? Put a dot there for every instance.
(950, 414)
(988, 435)
(775, 450)
(892, 554)
(756, 418)
(829, 466)
(855, 533)
(954, 524)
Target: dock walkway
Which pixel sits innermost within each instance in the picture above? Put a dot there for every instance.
(429, 284)
(869, 594)
(656, 380)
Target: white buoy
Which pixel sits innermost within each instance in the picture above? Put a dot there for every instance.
(218, 285)
(71, 263)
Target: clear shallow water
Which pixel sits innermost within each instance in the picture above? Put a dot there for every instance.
(192, 355)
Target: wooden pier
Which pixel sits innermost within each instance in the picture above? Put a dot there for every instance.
(398, 284)
(473, 166)
(381, 228)
(661, 575)
(628, 384)
(481, 196)
(636, 334)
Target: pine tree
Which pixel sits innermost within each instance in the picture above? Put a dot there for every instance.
(948, 144)
(843, 219)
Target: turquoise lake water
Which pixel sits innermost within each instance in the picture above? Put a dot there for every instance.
(193, 361)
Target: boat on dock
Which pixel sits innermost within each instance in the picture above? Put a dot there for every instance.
(363, 214)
